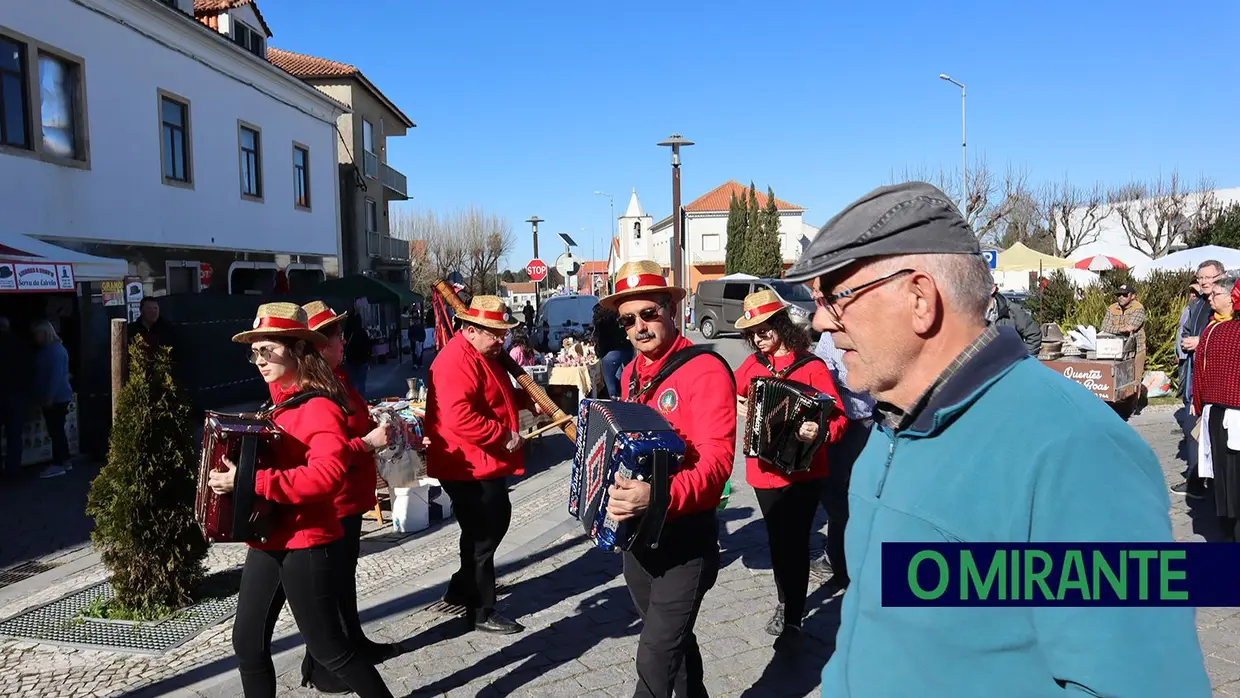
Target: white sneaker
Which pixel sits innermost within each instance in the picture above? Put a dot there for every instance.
(53, 471)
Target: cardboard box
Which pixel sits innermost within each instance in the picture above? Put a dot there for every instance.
(1110, 347)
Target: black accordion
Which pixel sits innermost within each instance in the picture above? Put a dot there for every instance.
(777, 409)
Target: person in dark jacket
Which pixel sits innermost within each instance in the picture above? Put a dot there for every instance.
(1199, 316)
(357, 349)
(1002, 312)
(611, 346)
(156, 330)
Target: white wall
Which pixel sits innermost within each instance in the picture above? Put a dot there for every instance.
(122, 197)
(1113, 241)
(700, 225)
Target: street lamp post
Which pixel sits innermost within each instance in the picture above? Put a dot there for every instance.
(964, 160)
(675, 141)
(534, 221)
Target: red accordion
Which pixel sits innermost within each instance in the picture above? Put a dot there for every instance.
(247, 441)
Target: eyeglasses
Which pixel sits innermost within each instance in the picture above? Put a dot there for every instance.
(646, 314)
(765, 333)
(264, 353)
(830, 300)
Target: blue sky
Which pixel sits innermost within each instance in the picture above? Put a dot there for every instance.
(527, 108)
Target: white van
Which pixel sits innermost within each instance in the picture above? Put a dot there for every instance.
(565, 315)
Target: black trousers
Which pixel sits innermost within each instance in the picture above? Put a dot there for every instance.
(483, 510)
(667, 585)
(349, 548)
(54, 417)
(308, 580)
(788, 513)
(840, 458)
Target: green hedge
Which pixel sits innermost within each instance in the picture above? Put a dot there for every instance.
(1164, 295)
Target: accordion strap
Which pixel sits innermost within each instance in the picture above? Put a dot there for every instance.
(268, 410)
(798, 363)
(674, 362)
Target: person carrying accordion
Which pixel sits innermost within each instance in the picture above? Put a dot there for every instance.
(788, 500)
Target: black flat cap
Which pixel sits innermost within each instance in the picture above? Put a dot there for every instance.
(908, 218)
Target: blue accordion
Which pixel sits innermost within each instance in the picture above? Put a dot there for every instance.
(628, 439)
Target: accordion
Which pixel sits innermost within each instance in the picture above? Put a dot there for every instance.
(777, 409)
(239, 516)
(631, 440)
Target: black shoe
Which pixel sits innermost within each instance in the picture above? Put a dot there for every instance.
(775, 626)
(820, 567)
(324, 681)
(498, 625)
(379, 652)
(1191, 492)
(790, 639)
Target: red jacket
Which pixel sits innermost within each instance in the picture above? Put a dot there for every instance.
(471, 407)
(309, 471)
(762, 475)
(357, 496)
(697, 400)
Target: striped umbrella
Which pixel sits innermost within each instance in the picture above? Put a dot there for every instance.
(1100, 262)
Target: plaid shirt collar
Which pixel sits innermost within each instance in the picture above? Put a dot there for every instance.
(896, 419)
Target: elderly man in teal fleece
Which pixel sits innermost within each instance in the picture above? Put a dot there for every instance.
(976, 441)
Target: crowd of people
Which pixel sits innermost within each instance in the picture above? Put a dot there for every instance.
(944, 429)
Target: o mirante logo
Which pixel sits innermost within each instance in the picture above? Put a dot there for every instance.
(1061, 574)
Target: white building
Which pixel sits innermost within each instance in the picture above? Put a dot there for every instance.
(155, 131)
(706, 228)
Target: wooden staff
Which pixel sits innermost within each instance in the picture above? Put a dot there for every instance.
(523, 379)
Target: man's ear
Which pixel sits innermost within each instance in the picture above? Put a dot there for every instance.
(926, 302)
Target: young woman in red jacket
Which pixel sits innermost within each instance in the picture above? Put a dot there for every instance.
(298, 560)
(473, 446)
(354, 499)
(788, 501)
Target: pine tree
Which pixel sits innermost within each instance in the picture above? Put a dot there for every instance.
(766, 258)
(753, 220)
(143, 498)
(734, 258)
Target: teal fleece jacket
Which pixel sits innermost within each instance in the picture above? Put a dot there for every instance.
(1008, 451)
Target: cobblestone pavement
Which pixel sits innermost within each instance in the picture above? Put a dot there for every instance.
(45, 521)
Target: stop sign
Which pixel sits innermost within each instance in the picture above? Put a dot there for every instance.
(536, 269)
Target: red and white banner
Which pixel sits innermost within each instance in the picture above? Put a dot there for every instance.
(16, 277)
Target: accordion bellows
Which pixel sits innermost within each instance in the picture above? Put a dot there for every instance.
(777, 409)
(240, 516)
(628, 439)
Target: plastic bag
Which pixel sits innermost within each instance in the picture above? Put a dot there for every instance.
(400, 463)
(1157, 384)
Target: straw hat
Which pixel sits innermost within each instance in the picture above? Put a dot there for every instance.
(635, 278)
(280, 320)
(488, 311)
(320, 315)
(759, 307)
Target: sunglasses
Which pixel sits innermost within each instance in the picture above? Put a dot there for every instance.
(766, 333)
(264, 353)
(646, 314)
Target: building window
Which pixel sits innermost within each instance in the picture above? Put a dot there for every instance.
(14, 105)
(248, 39)
(370, 162)
(372, 216)
(58, 89)
(710, 243)
(301, 176)
(174, 139)
(251, 163)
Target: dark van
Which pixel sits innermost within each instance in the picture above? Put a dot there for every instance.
(719, 303)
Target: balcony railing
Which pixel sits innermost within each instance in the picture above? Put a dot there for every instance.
(387, 248)
(370, 164)
(393, 180)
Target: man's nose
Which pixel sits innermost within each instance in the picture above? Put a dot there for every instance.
(824, 320)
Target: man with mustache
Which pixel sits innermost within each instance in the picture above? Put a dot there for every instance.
(693, 390)
(976, 441)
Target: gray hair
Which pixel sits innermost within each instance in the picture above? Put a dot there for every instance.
(965, 279)
(46, 326)
(1228, 281)
(1212, 263)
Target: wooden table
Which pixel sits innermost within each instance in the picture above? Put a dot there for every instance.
(1112, 381)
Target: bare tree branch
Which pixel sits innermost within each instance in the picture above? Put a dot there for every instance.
(469, 241)
(1073, 216)
(983, 200)
(1153, 216)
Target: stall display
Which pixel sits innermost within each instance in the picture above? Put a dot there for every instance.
(416, 499)
(1104, 364)
(36, 444)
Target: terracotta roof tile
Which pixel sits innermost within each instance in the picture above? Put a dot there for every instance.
(717, 199)
(520, 286)
(303, 66)
(206, 8)
(593, 268)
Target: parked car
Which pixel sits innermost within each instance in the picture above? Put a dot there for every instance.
(719, 303)
(565, 316)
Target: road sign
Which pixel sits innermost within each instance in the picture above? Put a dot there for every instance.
(536, 269)
(567, 265)
(991, 257)
(568, 240)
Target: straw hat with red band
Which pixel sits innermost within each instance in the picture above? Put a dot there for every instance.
(759, 307)
(276, 320)
(320, 315)
(488, 311)
(637, 278)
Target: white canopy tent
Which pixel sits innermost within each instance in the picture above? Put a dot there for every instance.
(15, 247)
(1188, 260)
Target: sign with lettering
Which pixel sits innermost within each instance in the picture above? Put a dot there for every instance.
(991, 257)
(16, 277)
(8, 277)
(1111, 381)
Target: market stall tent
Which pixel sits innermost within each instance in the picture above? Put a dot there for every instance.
(1018, 257)
(23, 249)
(1188, 260)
